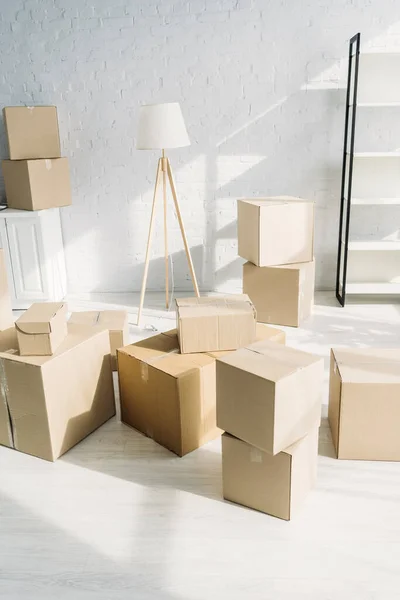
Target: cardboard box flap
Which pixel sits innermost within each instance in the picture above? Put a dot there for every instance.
(270, 360)
(368, 365)
(176, 364)
(76, 335)
(38, 318)
(151, 347)
(113, 320)
(214, 306)
(213, 300)
(162, 352)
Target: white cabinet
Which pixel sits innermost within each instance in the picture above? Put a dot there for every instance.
(33, 247)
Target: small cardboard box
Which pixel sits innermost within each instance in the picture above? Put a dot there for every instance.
(276, 231)
(269, 395)
(115, 321)
(210, 324)
(282, 295)
(276, 485)
(170, 397)
(37, 184)
(364, 403)
(32, 132)
(49, 404)
(42, 328)
(6, 317)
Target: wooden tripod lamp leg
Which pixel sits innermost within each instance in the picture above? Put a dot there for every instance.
(146, 262)
(178, 214)
(164, 177)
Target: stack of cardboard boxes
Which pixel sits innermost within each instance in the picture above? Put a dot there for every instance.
(35, 177)
(167, 382)
(276, 236)
(221, 370)
(269, 404)
(56, 384)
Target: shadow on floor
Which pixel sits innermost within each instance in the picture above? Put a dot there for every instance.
(120, 451)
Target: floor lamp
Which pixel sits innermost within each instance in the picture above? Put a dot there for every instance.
(161, 126)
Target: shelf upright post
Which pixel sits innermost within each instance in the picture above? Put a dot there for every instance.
(347, 168)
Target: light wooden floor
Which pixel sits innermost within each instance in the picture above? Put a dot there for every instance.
(119, 517)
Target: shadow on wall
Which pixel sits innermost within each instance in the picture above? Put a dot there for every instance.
(265, 117)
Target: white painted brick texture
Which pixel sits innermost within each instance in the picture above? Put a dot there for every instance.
(261, 87)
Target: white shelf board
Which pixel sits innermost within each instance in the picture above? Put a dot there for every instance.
(378, 201)
(374, 245)
(373, 288)
(379, 52)
(377, 104)
(376, 154)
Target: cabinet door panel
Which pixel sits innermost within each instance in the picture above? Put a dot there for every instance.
(27, 258)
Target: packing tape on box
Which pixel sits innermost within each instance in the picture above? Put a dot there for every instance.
(48, 163)
(144, 366)
(144, 372)
(255, 455)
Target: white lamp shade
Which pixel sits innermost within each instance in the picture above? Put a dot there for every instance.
(161, 126)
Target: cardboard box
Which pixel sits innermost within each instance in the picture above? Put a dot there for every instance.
(215, 323)
(276, 231)
(282, 295)
(49, 404)
(115, 321)
(42, 328)
(170, 397)
(6, 317)
(32, 132)
(269, 395)
(364, 403)
(276, 485)
(37, 184)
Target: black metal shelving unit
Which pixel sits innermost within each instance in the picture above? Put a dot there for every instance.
(347, 168)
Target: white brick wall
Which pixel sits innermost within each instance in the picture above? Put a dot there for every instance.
(259, 83)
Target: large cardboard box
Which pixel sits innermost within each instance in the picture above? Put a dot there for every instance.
(49, 404)
(37, 184)
(282, 295)
(115, 321)
(42, 328)
(168, 396)
(276, 485)
(32, 132)
(215, 323)
(276, 231)
(364, 403)
(6, 317)
(269, 395)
